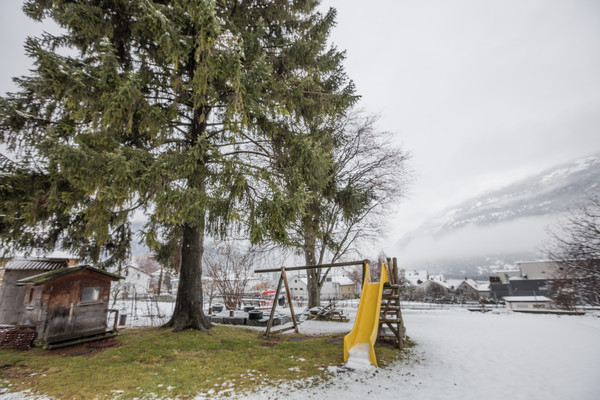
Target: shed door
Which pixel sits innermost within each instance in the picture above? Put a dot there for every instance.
(61, 318)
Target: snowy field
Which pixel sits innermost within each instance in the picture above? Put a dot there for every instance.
(461, 355)
(465, 355)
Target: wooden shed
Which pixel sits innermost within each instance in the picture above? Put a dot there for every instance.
(68, 305)
(11, 294)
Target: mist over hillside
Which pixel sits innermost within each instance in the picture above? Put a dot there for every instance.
(494, 230)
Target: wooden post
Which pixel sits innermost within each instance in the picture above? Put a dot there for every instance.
(364, 271)
(401, 324)
(289, 298)
(270, 322)
(390, 269)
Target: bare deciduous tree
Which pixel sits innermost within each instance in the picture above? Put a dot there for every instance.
(575, 245)
(229, 269)
(370, 174)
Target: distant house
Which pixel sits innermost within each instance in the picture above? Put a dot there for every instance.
(539, 270)
(505, 275)
(12, 295)
(67, 304)
(431, 289)
(137, 282)
(531, 279)
(415, 278)
(347, 287)
(521, 303)
(469, 289)
(338, 287)
(298, 285)
(334, 287)
(484, 290)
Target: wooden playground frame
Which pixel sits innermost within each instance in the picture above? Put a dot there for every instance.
(390, 316)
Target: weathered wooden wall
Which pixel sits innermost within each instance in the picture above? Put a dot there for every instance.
(12, 296)
(60, 314)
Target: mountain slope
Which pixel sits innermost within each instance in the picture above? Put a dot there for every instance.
(516, 215)
(550, 192)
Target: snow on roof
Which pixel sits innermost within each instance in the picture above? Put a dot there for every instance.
(301, 278)
(342, 280)
(483, 287)
(526, 298)
(437, 278)
(414, 276)
(453, 283)
(478, 285)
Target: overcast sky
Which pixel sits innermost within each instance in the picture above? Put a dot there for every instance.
(481, 92)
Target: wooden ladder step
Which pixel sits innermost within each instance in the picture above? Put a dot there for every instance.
(389, 320)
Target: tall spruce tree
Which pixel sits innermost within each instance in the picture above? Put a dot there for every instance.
(176, 108)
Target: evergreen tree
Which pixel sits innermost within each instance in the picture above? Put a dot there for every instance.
(175, 108)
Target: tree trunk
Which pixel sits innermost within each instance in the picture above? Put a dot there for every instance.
(160, 280)
(314, 290)
(188, 313)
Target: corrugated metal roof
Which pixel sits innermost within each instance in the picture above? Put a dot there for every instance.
(48, 276)
(37, 264)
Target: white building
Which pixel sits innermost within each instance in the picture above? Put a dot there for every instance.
(334, 287)
(338, 287)
(137, 282)
(415, 278)
(298, 285)
(539, 269)
(520, 303)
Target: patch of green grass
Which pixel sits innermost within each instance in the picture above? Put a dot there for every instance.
(156, 362)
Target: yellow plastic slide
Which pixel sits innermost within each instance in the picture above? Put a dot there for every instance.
(364, 334)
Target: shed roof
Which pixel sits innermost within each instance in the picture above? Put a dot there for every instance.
(51, 275)
(41, 264)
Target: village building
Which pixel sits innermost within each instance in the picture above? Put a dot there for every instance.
(137, 282)
(334, 288)
(523, 303)
(298, 285)
(469, 289)
(532, 278)
(535, 270)
(414, 277)
(338, 287)
(431, 289)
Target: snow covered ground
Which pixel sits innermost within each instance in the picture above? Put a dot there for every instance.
(462, 355)
(465, 355)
